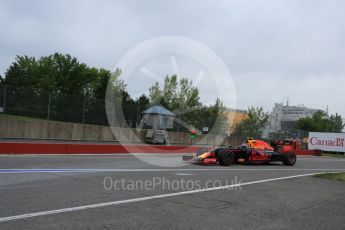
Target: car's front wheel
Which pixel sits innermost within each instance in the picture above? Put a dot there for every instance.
(225, 157)
(289, 159)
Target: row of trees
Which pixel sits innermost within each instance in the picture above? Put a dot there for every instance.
(182, 98)
(72, 91)
(321, 122)
(76, 92)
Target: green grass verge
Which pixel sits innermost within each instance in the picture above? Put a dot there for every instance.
(23, 118)
(332, 176)
(15, 117)
(333, 155)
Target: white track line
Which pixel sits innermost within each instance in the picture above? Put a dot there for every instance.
(100, 205)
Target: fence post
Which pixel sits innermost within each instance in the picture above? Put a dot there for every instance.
(84, 109)
(4, 105)
(136, 125)
(50, 96)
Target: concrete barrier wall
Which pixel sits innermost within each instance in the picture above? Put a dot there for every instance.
(40, 129)
(53, 130)
(69, 131)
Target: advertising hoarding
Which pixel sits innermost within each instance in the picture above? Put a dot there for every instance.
(327, 141)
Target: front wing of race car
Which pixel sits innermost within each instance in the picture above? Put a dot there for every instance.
(205, 158)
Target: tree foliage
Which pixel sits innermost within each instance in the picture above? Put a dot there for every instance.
(321, 122)
(72, 89)
(175, 95)
(1, 81)
(75, 92)
(181, 97)
(61, 73)
(213, 116)
(254, 123)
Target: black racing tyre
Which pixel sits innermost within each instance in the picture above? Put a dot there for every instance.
(289, 159)
(225, 157)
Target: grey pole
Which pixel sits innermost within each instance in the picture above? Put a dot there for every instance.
(84, 109)
(4, 105)
(50, 95)
(138, 108)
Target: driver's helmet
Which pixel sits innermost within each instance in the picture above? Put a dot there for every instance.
(243, 146)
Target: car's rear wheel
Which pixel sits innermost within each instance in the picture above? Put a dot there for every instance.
(225, 157)
(289, 159)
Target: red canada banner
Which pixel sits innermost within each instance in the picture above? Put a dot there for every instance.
(327, 141)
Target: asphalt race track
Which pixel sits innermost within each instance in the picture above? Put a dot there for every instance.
(124, 192)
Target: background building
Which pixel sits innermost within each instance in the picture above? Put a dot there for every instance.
(235, 116)
(283, 118)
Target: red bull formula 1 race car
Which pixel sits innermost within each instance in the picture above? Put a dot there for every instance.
(253, 152)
